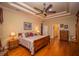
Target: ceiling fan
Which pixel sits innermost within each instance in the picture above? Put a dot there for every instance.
(46, 10)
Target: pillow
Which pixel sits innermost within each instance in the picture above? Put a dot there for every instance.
(35, 34)
(30, 34)
(19, 34)
(27, 34)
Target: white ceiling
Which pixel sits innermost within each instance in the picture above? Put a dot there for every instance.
(58, 7)
(28, 7)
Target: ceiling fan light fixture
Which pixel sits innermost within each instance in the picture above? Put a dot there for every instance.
(50, 9)
(46, 10)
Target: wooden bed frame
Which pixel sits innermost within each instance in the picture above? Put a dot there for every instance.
(38, 44)
(41, 43)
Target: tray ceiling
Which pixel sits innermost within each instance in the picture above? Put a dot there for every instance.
(29, 6)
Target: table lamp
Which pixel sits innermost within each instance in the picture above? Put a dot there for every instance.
(12, 35)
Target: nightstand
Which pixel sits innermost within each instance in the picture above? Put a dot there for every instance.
(13, 43)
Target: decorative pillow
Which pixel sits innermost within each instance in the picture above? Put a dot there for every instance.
(27, 34)
(30, 34)
(19, 34)
(35, 34)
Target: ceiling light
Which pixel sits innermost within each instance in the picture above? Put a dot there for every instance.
(50, 9)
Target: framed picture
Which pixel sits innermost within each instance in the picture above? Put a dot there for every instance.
(65, 26)
(61, 25)
(27, 26)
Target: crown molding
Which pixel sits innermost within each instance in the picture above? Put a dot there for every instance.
(61, 15)
(23, 9)
(27, 7)
(20, 6)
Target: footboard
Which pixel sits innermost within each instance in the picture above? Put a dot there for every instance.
(41, 43)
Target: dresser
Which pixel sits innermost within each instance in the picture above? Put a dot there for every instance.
(64, 35)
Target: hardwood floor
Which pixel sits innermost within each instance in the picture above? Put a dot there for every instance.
(55, 48)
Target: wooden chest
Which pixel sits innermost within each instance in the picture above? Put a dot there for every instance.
(64, 35)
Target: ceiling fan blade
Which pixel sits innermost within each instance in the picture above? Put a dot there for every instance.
(51, 12)
(38, 13)
(48, 7)
(38, 9)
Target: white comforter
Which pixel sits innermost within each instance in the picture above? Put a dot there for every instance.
(28, 42)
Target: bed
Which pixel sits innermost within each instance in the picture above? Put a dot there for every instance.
(34, 43)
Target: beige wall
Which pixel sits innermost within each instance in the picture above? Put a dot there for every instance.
(0, 30)
(68, 20)
(13, 22)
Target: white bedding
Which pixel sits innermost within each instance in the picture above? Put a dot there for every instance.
(28, 42)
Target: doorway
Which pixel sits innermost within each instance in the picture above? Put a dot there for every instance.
(56, 31)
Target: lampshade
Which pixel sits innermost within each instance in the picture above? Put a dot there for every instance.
(38, 31)
(13, 34)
